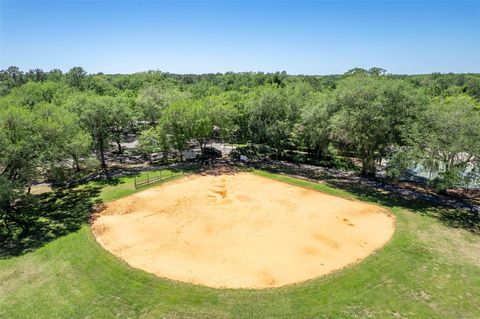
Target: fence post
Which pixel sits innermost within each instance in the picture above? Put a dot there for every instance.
(161, 175)
(148, 179)
(135, 181)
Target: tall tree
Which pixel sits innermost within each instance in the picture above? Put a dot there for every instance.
(152, 100)
(121, 121)
(76, 77)
(37, 75)
(273, 112)
(313, 129)
(447, 141)
(175, 122)
(96, 117)
(33, 141)
(371, 112)
(210, 117)
(153, 140)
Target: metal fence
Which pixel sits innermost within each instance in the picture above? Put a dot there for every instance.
(153, 178)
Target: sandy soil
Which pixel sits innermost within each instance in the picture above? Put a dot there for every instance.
(240, 230)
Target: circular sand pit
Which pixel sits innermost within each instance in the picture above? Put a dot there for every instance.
(240, 230)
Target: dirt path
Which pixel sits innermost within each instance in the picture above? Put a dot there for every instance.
(240, 230)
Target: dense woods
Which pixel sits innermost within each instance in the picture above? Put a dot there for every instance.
(56, 126)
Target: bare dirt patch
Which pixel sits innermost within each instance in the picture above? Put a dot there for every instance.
(240, 230)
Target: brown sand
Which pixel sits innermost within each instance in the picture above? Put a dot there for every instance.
(240, 230)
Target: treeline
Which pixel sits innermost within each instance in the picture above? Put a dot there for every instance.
(54, 125)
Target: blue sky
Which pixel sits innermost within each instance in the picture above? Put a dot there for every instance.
(300, 37)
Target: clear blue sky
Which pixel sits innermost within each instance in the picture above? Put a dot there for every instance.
(307, 37)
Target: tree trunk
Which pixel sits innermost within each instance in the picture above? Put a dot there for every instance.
(165, 156)
(120, 150)
(202, 144)
(278, 152)
(7, 226)
(102, 159)
(368, 167)
(10, 216)
(76, 164)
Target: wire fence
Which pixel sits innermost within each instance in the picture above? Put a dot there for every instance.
(151, 178)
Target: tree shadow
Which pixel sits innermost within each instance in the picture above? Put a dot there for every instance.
(46, 217)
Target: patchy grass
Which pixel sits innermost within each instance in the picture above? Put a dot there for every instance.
(426, 271)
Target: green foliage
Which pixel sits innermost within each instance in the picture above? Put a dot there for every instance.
(273, 113)
(371, 115)
(399, 161)
(447, 139)
(122, 119)
(33, 93)
(254, 152)
(198, 120)
(152, 100)
(10, 78)
(34, 143)
(96, 116)
(175, 122)
(211, 117)
(21, 148)
(76, 77)
(313, 129)
(153, 140)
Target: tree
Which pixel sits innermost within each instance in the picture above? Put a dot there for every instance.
(273, 113)
(370, 115)
(76, 77)
(100, 84)
(34, 93)
(447, 141)
(199, 120)
(33, 141)
(313, 129)
(55, 75)
(10, 78)
(175, 122)
(152, 100)
(154, 140)
(121, 121)
(96, 117)
(21, 144)
(210, 117)
(79, 145)
(37, 75)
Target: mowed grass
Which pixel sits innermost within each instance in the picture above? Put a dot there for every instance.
(426, 271)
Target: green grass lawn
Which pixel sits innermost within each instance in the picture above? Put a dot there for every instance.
(426, 271)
